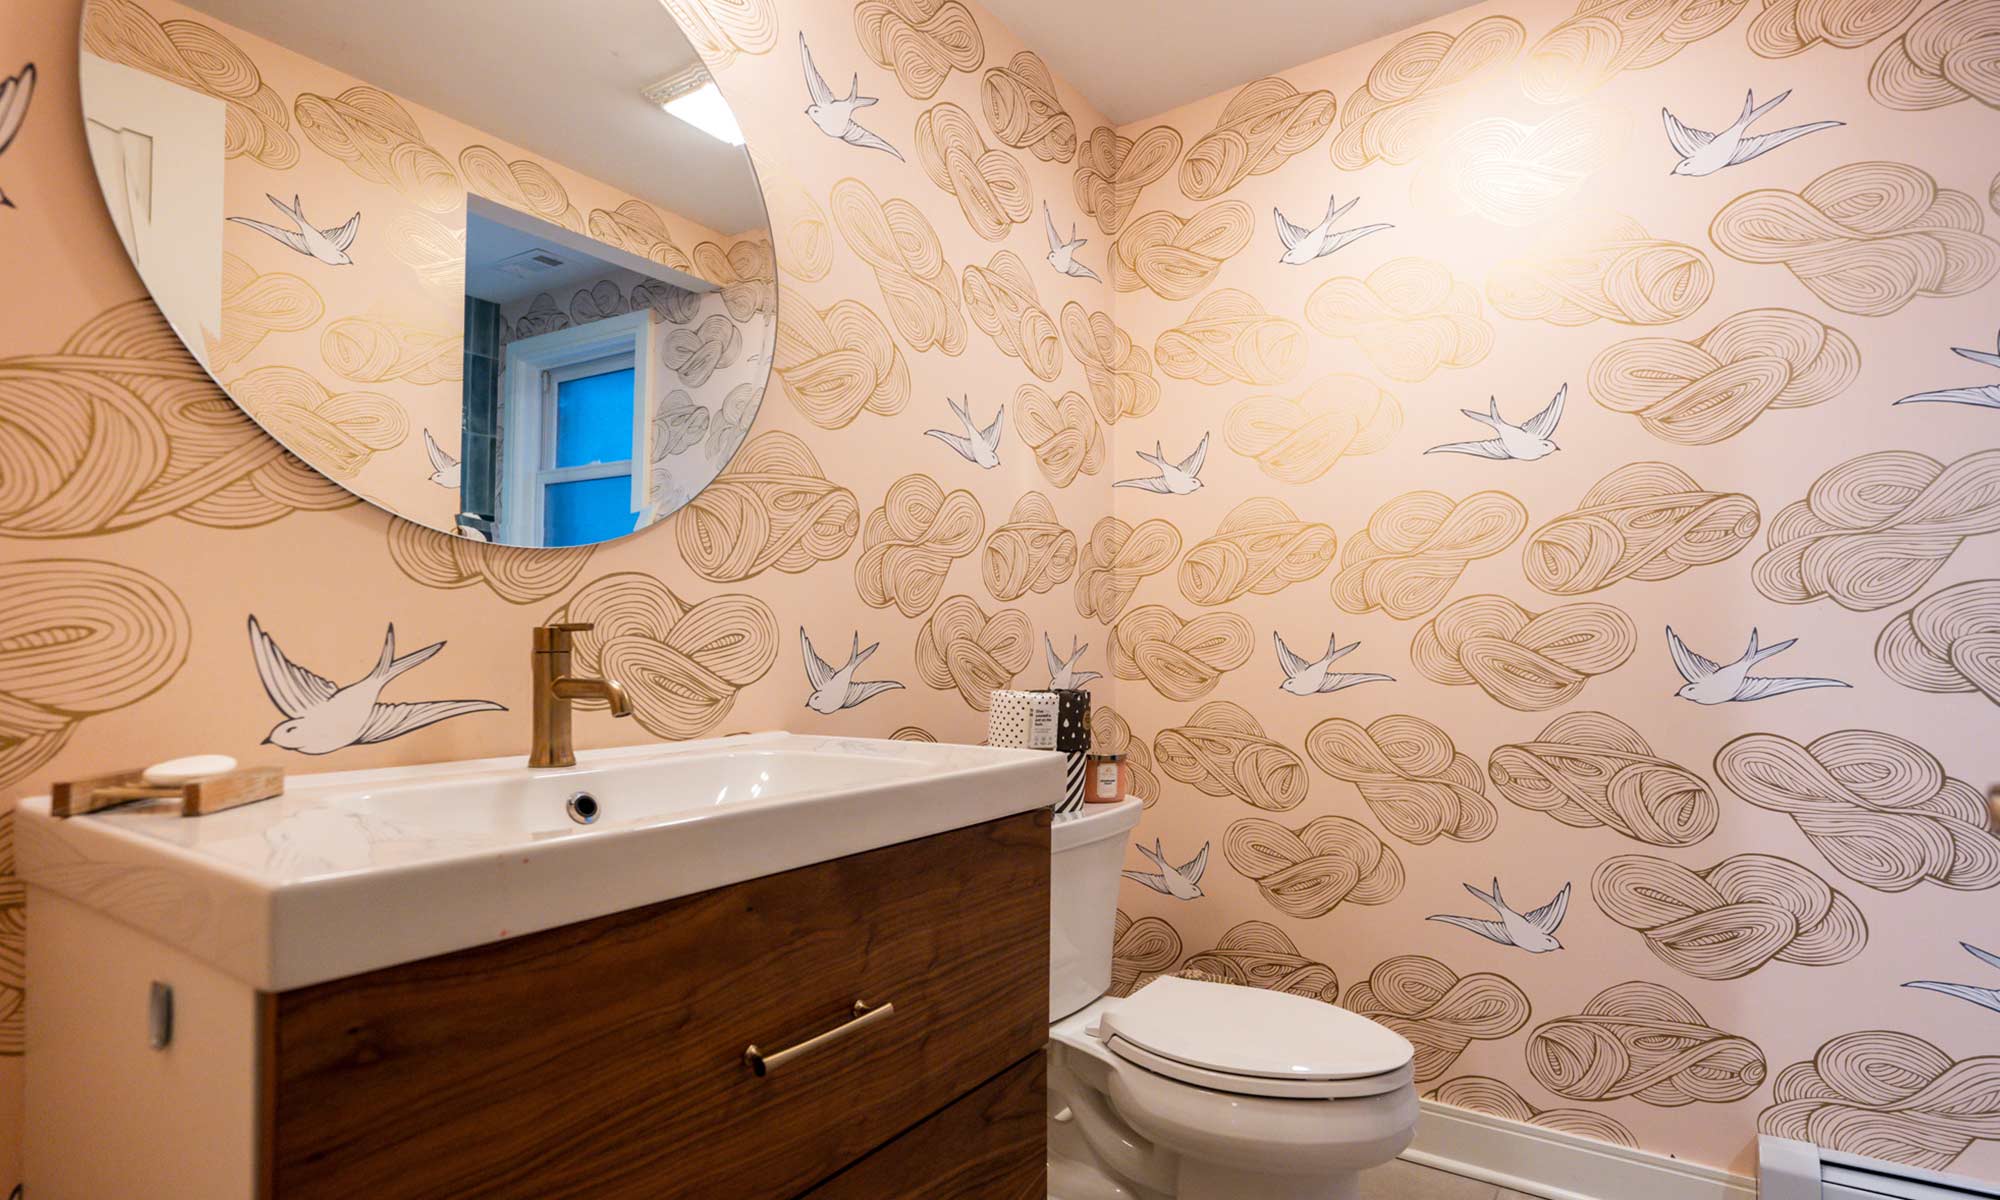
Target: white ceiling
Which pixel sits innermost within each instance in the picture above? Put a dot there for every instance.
(537, 73)
(1135, 59)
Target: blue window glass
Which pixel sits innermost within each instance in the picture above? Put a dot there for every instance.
(594, 419)
(583, 511)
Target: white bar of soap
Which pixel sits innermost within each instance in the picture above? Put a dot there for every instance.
(176, 771)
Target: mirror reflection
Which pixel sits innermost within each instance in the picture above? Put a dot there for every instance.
(493, 267)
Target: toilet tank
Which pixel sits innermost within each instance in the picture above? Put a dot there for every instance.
(1088, 846)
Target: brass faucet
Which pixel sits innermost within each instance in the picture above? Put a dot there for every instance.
(555, 687)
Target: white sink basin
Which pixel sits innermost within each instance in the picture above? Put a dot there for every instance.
(357, 870)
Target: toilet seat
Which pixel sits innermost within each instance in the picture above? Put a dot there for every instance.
(1255, 1042)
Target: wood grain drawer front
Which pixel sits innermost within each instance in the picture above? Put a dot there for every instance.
(604, 1059)
(991, 1144)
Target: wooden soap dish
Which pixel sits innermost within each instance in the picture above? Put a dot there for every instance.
(198, 797)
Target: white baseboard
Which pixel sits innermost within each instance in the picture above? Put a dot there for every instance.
(1559, 1166)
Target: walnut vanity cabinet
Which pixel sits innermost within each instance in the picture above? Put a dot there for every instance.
(606, 1059)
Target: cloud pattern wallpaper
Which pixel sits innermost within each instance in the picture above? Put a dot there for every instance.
(1606, 383)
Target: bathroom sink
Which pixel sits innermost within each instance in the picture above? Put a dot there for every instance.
(351, 871)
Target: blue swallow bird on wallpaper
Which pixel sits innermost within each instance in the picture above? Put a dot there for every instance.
(1983, 396)
(1062, 254)
(980, 447)
(329, 246)
(1174, 479)
(321, 716)
(1984, 997)
(15, 92)
(1705, 153)
(1711, 683)
(834, 690)
(835, 116)
(1532, 439)
(1182, 882)
(1304, 245)
(1531, 931)
(1304, 678)
(1062, 671)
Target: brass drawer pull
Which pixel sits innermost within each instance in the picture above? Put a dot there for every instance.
(865, 1014)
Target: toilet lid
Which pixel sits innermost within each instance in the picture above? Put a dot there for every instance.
(1231, 1038)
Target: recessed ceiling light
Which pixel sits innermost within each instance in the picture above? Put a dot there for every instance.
(691, 96)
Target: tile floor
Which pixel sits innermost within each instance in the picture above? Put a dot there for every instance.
(1407, 1181)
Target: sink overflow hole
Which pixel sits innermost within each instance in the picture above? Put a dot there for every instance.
(583, 808)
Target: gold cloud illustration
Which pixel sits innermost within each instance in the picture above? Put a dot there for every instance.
(1297, 441)
(1308, 872)
(521, 184)
(255, 305)
(1589, 769)
(1120, 374)
(1411, 775)
(1482, 1094)
(722, 29)
(1645, 520)
(1141, 951)
(682, 664)
(900, 246)
(962, 646)
(1023, 110)
(799, 226)
(1176, 257)
(516, 574)
(1229, 337)
(1417, 545)
(772, 508)
(1878, 806)
(1437, 1009)
(1030, 552)
(1866, 238)
(991, 187)
(1734, 917)
(1116, 559)
(1605, 37)
(1181, 659)
(1111, 171)
(373, 135)
(1395, 116)
(1258, 954)
(1223, 751)
(1949, 643)
(1263, 124)
(1527, 661)
(1712, 387)
(376, 350)
(1939, 59)
(746, 273)
(1001, 300)
(1872, 531)
(1260, 548)
(637, 228)
(433, 251)
(921, 41)
(1788, 27)
(1603, 269)
(836, 363)
(255, 123)
(1515, 174)
(909, 544)
(1409, 316)
(1645, 1040)
(1062, 432)
(336, 432)
(1880, 1092)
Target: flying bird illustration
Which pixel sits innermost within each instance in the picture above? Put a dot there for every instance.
(321, 716)
(444, 468)
(1705, 153)
(1182, 882)
(1304, 245)
(1062, 671)
(1062, 254)
(1531, 931)
(1984, 997)
(15, 92)
(327, 245)
(1710, 683)
(835, 117)
(1986, 396)
(1174, 479)
(1526, 442)
(834, 690)
(1304, 678)
(981, 447)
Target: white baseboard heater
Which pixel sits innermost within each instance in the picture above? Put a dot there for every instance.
(1790, 1170)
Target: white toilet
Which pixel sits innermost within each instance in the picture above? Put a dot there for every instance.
(1196, 1090)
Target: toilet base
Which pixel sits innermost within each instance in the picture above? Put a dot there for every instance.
(1204, 1181)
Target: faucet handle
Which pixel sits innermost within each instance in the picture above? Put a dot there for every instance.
(554, 639)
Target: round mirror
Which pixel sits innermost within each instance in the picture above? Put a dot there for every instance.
(498, 266)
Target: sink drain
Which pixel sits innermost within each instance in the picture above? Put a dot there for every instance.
(583, 808)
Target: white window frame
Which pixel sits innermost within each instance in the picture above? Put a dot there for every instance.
(533, 367)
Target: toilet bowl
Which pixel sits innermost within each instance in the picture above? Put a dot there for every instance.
(1198, 1090)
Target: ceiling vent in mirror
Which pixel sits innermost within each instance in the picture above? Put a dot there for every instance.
(530, 262)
